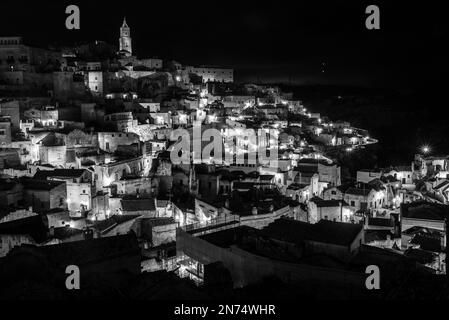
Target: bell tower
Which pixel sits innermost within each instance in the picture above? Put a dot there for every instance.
(125, 39)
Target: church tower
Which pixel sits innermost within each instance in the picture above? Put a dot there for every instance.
(125, 40)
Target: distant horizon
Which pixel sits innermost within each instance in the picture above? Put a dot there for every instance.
(282, 79)
(319, 43)
(253, 72)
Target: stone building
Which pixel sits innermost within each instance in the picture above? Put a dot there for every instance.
(79, 187)
(109, 141)
(44, 195)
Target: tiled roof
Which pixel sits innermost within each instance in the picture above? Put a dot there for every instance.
(243, 185)
(428, 243)
(34, 226)
(425, 211)
(324, 231)
(307, 174)
(419, 255)
(34, 184)
(380, 222)
(62, 173)
(306, 169)
(421, 230)
(401, 168)
(330, 203)
(90, 251)
(114, 221)
(66, 232)
(154, 222)
(297, 186)
(358, 192)
(144, 204)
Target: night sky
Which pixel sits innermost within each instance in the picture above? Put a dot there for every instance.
(272, 42)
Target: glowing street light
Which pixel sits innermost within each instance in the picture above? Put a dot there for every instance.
(425, 149)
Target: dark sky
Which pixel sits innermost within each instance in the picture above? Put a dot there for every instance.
(275, 41)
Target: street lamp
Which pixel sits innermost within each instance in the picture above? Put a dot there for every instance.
(425, 149)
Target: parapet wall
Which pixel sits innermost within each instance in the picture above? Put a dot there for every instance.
(247, 268)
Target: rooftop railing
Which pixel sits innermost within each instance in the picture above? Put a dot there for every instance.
(213, 225)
